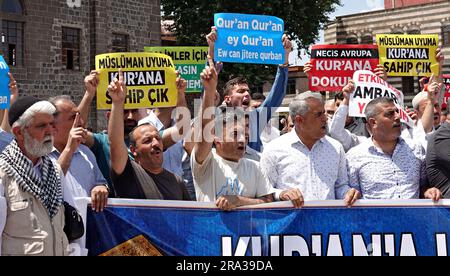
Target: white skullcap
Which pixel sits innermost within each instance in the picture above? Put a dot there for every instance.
(418, 98)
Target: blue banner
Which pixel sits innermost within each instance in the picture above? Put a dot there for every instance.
(277, 230)
(245, 38)
(4, 84)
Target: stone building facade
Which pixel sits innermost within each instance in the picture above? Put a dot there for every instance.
(398, 17)
(51, 45)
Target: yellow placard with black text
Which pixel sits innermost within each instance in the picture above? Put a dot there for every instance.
(408, 55)
(150, 79)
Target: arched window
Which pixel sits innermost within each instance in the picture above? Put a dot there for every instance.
(352, 40)
(367, 39)
(12, 6)
(446, 35)
(414, 31)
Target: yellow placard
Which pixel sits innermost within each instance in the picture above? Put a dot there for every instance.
(189, 61)
(150, 79)
(408, 55)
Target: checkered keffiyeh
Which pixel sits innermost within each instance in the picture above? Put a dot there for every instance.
(46, 189)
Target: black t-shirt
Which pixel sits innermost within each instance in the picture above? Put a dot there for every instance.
(438, 160)
(169, 185)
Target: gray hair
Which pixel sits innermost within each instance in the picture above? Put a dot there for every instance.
(53, 100)
(371, 110)
(27, 117)
(299, 106)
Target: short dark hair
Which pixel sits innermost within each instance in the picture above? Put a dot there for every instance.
(131, 134)
(235, 81)
(258, 96)
(339, 96)
(371, 108)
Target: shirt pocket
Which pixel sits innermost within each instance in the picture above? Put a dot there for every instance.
(23, 220)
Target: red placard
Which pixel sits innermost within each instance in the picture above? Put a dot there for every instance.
(333, 65)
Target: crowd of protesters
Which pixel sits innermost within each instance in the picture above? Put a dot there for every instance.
(228, 154)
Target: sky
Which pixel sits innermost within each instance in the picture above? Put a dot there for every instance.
(348, 7)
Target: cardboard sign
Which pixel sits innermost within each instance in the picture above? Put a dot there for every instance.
(248, 38)
(408, 55)
(369, 86)
(189, 61)
(4, 84)
(150, 79)
(447, 90)
(333, 65)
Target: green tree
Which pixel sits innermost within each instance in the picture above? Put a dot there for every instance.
(193, 19)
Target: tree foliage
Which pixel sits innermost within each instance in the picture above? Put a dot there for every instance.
(193, 20)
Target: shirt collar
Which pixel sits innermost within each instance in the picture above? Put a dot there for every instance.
(372, 146)
(293, 138)
(56, 152)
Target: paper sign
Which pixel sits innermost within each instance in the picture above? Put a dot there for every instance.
(189, 61)
(408, 55)
(4, 84)
(248, 38)
(150, 79)
(333, 65)
(369, 86)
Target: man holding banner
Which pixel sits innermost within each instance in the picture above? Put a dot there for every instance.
(222, 175)
(387, 166)
(305, 158)
(144, 178)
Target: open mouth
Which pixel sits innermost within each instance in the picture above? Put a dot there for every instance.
(246, 103)
(156, 152)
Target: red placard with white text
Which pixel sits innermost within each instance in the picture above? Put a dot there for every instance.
(334, 65)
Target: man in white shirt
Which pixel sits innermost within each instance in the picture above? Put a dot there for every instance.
(386, 166)
(305, 158)
(77, 161)
(222, 175)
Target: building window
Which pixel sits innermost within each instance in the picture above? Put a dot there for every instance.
(12, 6)
(446, 35)
(414, 31)
(367, 39)
(292, 87)
(352, 40)
(12, 42)
(120, 43)
(71, 48)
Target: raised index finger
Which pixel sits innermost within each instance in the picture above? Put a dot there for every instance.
(120, 75)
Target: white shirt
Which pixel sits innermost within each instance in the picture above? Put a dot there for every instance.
(218, 177)
(269, 134)
(320, 174)
(349, 140)
(83, 174)
(380, 176)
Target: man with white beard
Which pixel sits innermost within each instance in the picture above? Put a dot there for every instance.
(31, 184)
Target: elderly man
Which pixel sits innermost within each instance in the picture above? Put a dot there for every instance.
(305, 158)
(32, 184)
(77, 161)
(387, 166)
(222, 175)
(145, 177)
